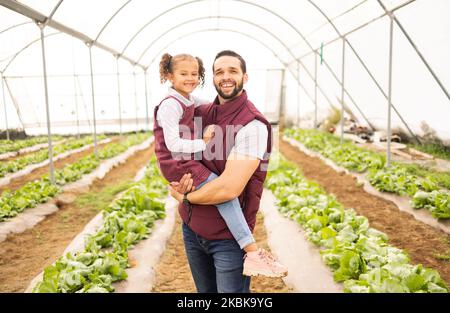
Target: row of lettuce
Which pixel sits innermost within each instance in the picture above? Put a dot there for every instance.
(427, 189)
(104, 259)
(40, 191)
(358, 255)
(13, 166)
(16, 145)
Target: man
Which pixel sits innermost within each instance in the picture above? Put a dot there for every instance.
(241, 159)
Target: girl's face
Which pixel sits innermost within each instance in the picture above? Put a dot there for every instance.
(185, 77)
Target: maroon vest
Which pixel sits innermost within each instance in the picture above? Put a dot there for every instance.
(206, 220)
(174, 165)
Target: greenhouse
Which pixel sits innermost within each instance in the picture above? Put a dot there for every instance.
(321, 133)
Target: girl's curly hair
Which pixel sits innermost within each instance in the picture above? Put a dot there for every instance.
(168, 63)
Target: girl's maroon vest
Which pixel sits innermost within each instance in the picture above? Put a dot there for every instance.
(206, 220)
(174, 168)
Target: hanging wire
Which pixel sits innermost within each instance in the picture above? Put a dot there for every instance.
(29, 101)
(84, 102)
(16, 105)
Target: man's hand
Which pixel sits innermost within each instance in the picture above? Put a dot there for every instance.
(228, 185)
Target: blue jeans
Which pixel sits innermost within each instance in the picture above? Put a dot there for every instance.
(216, 265)
(231, 212)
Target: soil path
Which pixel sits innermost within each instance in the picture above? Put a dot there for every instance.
(173, 273)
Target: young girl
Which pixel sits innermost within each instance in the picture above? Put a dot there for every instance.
(175, 114)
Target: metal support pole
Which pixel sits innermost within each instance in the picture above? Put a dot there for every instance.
(298, 96)
(47, 109)
(4, 106)
(146, 101)
(315, 90)
(342, 90)
(118, 95)
(135, 101)
(75, 92)
(76, 106)
(281, 107)
(93, 100)
(391, 38)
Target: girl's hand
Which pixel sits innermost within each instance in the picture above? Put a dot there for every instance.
(178, 189)
(174, 193)
(186, 184)
(209, 133)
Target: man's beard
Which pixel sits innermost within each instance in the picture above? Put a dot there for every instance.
(237, 89)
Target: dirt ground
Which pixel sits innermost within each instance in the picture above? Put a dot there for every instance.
(173, 273)
(419, 240)
(25, 255)
(37, 173)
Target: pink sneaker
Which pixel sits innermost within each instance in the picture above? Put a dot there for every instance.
(262, 262)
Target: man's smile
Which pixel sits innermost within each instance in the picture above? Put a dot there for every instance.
(227, 85)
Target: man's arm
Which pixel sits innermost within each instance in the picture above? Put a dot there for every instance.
(242, 162)
(227, 186)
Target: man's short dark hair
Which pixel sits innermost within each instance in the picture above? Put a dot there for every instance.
(232, 54)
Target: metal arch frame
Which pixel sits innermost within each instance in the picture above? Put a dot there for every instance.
(165, 31)
(240, 1)
(43, 20)
(26, 47)
(354, 29)
(49, 18)
(241, 20)
(362, 62)
(154, 19)
(211, 30)
(14, 26)
(240, 33)
(237, 32)
(415, 48)
(276, 39)
(215, 29)
(195, 1)
(362, 2)
(328, 67)
(10, 28)
(272, 13)
(110, 19)
(191, 2)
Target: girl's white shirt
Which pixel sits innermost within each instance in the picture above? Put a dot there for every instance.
(250, 140)
(169, 116)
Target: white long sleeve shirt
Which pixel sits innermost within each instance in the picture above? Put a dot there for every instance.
(250, 140)
(169, 116)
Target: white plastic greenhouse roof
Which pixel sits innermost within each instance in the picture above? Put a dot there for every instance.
(310, 39)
